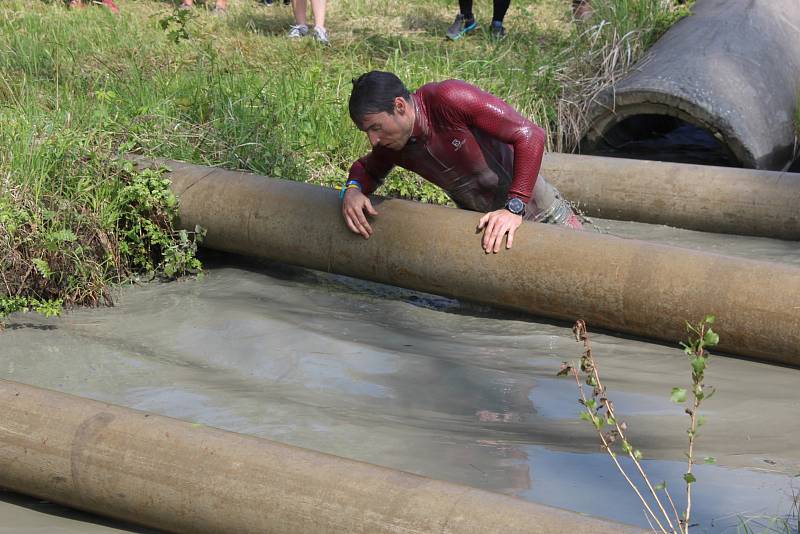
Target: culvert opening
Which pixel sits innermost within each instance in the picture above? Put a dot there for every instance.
(663, 138)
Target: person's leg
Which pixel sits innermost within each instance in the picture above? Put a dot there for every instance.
(111, 5)
(299, 28)
(499, 13)
(548, 206)
(300, 7)
(500, 9)
(318, 7)
(465, 8)
(320, 33)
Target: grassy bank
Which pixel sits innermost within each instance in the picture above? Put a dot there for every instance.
(80, 88)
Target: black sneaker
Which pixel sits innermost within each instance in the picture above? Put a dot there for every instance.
(287, 2)
(498, 32)
(460, 27)
(267, 2)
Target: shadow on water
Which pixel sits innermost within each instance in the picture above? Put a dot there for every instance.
(348, 286)
(33, 326)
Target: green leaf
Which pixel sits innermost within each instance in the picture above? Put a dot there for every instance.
(678, 395)
(689, 478)
(591, 403)
(42, 267)
(637, 454)
(62, 236)
(709, 319)
(585, 416)
(711, 338)
(699, 365)
(626, 446)
(701, 420)
(661, 486)
(710, 460)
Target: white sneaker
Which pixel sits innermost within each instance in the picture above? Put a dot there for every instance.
(321, 35)
(297, 31)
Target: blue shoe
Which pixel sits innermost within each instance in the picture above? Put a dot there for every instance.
(461, 27)
(498, 31)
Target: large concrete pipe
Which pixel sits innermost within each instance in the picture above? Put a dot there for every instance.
(697, 197)
(182, 477)
(623, 285)
(730, 72)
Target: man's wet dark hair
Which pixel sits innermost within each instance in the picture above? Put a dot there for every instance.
(375, 92)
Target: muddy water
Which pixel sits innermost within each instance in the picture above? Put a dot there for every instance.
(421, 383)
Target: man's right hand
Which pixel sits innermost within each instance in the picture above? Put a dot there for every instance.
(354, 205)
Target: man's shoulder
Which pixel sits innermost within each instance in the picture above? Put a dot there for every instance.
(447, 93)
(444, 87)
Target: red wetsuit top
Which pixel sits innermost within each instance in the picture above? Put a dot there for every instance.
(470, 143)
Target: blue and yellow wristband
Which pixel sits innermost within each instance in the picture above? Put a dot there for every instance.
(349, 184)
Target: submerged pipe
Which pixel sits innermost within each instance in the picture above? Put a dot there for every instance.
(731, 70)
(183, 477)
(697, 197)
(620, 284)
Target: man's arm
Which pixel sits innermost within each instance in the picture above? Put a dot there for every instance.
(473, 107)
(368, 173)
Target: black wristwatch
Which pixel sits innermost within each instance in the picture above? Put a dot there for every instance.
(515, 206)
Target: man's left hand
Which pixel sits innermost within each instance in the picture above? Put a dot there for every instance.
(497, 224)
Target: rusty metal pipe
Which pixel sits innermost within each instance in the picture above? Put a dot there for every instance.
(697, 197)
(183, 477)
(623, 285)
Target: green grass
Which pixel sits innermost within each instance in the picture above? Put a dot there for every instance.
(80, 88)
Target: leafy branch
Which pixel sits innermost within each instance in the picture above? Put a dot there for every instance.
(700, 337)
(598, 409)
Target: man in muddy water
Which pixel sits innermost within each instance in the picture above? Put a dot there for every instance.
(476, 147)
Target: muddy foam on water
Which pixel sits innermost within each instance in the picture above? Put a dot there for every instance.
(422, 383)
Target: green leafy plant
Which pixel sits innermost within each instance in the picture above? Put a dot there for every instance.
(47, 307)
(700, 336)
(176, 25)
(147, 237)
(598, 409)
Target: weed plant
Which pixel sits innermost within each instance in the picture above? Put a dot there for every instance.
(598, 409)
(79, 89)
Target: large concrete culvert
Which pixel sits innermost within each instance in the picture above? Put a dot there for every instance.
(720, 87)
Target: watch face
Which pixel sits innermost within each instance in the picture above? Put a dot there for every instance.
(515, 206)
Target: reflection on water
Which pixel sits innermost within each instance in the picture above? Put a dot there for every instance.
(421, 383)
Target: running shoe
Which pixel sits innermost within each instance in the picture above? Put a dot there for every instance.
(460, 27)
(296, 31)
(321, 35)
(267, 3)
(498, 32)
